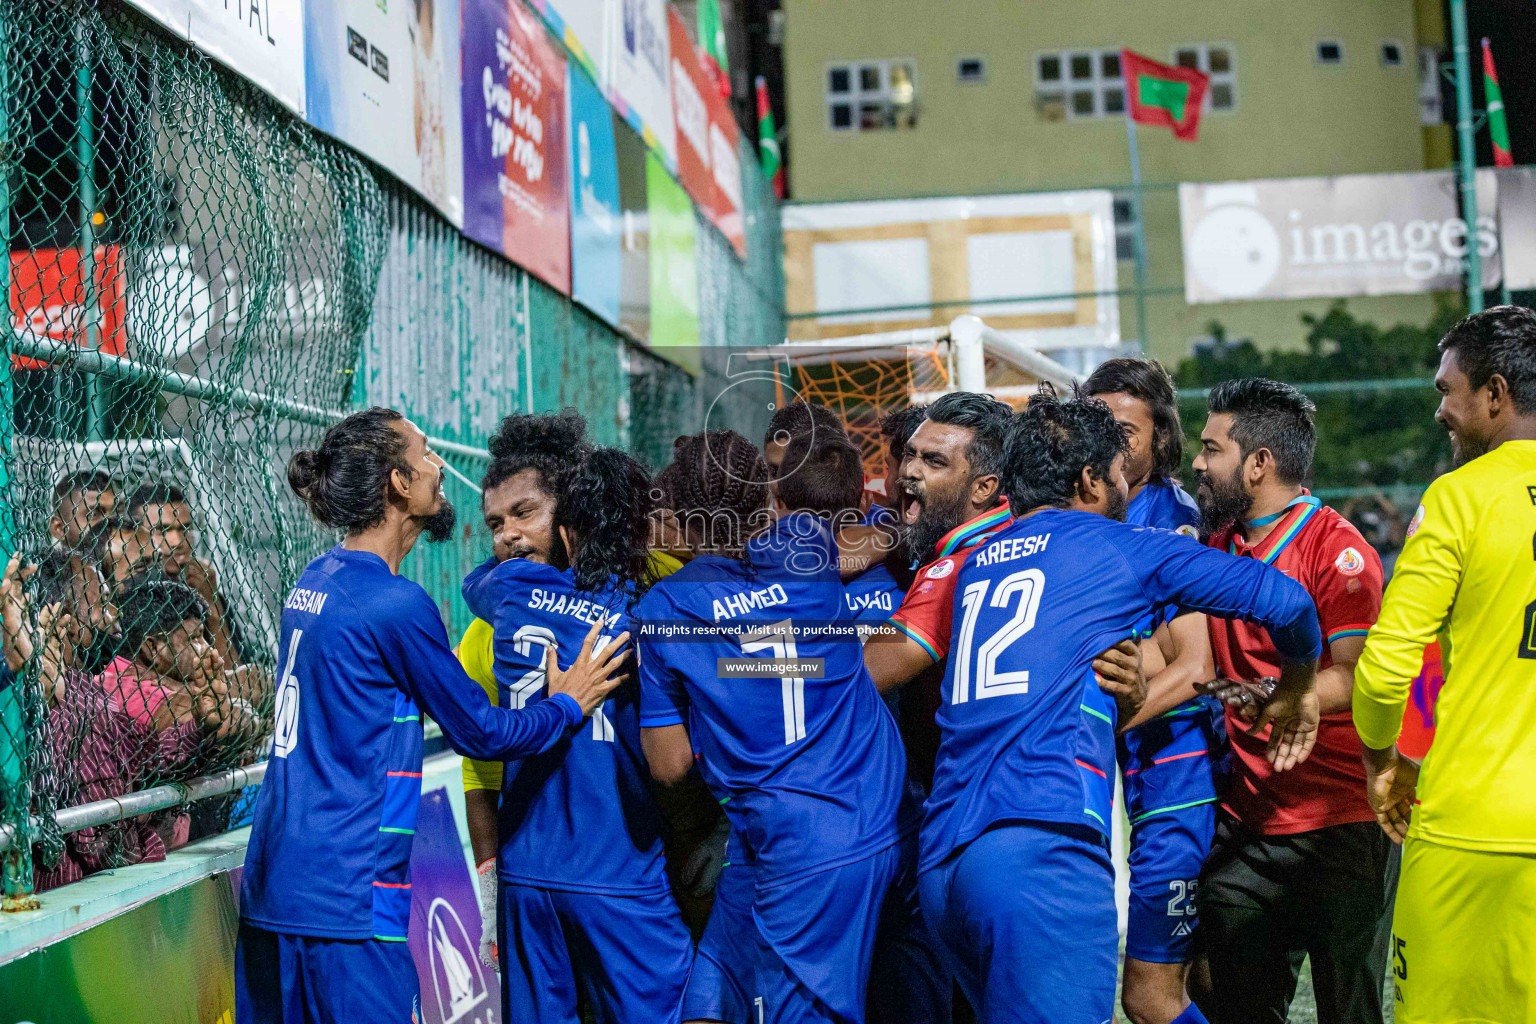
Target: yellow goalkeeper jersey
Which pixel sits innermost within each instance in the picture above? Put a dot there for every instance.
(476, 655)
(1468, 574)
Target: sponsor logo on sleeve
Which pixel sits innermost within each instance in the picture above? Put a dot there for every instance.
(938, 570)
(1350, 562)
(1187, 531)
(1413, 525)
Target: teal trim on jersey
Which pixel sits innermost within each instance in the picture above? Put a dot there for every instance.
(390, 938)
(1096, 714)
(1172, 807)
(1187, 708)
(1347, 632)
(408, 718)
(1094, 816)
(724, 800)
(924, 644)
(401, 831)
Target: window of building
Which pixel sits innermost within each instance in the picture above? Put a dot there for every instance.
(1330, 51)
(1431, 108)
(871, 95)
(971, 70)
(1217, 60)
(1125, 227)
(1079, 84)
(1391, 54)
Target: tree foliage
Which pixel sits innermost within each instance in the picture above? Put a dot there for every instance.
(1365, 437)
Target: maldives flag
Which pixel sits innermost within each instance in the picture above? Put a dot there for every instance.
(1164, 95)
(768, 139)
(1493, 100)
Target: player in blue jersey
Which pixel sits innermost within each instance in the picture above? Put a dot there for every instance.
(808, 763)
(1016, 875)
(585, 902)
(363, 654)
(1168, 756)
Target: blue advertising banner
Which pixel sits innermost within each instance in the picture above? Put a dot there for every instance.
(596, 221)
(445, 924)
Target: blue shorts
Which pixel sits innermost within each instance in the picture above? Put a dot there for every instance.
(298, 979)
(1167, 853)
(629, 954)
(820, 936)
(1027, 918)
(909, 979)
(720, 985)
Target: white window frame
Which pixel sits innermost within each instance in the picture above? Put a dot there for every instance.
(1402, 54)
(1317, 53)
(1098, 84)
(1227, 77)
(978, 58)
(857, 96)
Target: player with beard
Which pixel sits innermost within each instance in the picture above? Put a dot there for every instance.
(325, 901)
(1297, 865)
(1016, 874)
(585, 902)
(1168, 756)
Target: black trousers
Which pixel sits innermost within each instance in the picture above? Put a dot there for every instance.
(1267, 902)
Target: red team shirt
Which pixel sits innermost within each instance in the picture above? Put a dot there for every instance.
(1321, 550)
(926, 611)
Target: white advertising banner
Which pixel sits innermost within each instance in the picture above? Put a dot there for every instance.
(260, 40)
(636, 64)
(580, 25)
(383, 77)
(1359, 234)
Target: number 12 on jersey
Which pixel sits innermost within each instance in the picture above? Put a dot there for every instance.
(1023, 590)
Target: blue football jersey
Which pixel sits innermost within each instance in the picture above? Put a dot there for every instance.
(878, 515)
(1025, 732)
(1167, 762)
(579, 816)
(872, 595)
(363, 653)
(811, 770)
(1164, 504)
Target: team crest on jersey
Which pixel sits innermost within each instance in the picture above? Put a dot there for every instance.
(1413, 525)
(1350, 562)
(938, 570)
(1187, 531)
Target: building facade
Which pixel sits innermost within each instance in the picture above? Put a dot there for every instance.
(915, 98)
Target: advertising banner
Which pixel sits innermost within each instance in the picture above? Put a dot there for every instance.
(49, 298)
(636, 63)
(1517, 226)
(456, 988)
(674, 274)
(514, 139)
(259, 41)
(634, 231)
(384, 79)
(1358, 234)
(580, 25)
(707, 163)
(597, 223)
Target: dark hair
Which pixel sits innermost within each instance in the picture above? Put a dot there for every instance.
(986, 418)
(56, 573)
(160, 492)
(1052, 441)
(79, 481)
(898, 427)
(1502, 341)
(1146, 380)
(154, 606)
(1268, 414)
(802, 417)
(828, 477)
(715, 475)
(345, 480)
(607, 504)
(550, 444)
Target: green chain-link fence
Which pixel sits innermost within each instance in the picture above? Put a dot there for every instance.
(199, 284)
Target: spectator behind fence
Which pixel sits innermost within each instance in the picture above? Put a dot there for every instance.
(81, 499)
(163, 512)
(97, 750)
(122, 549)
